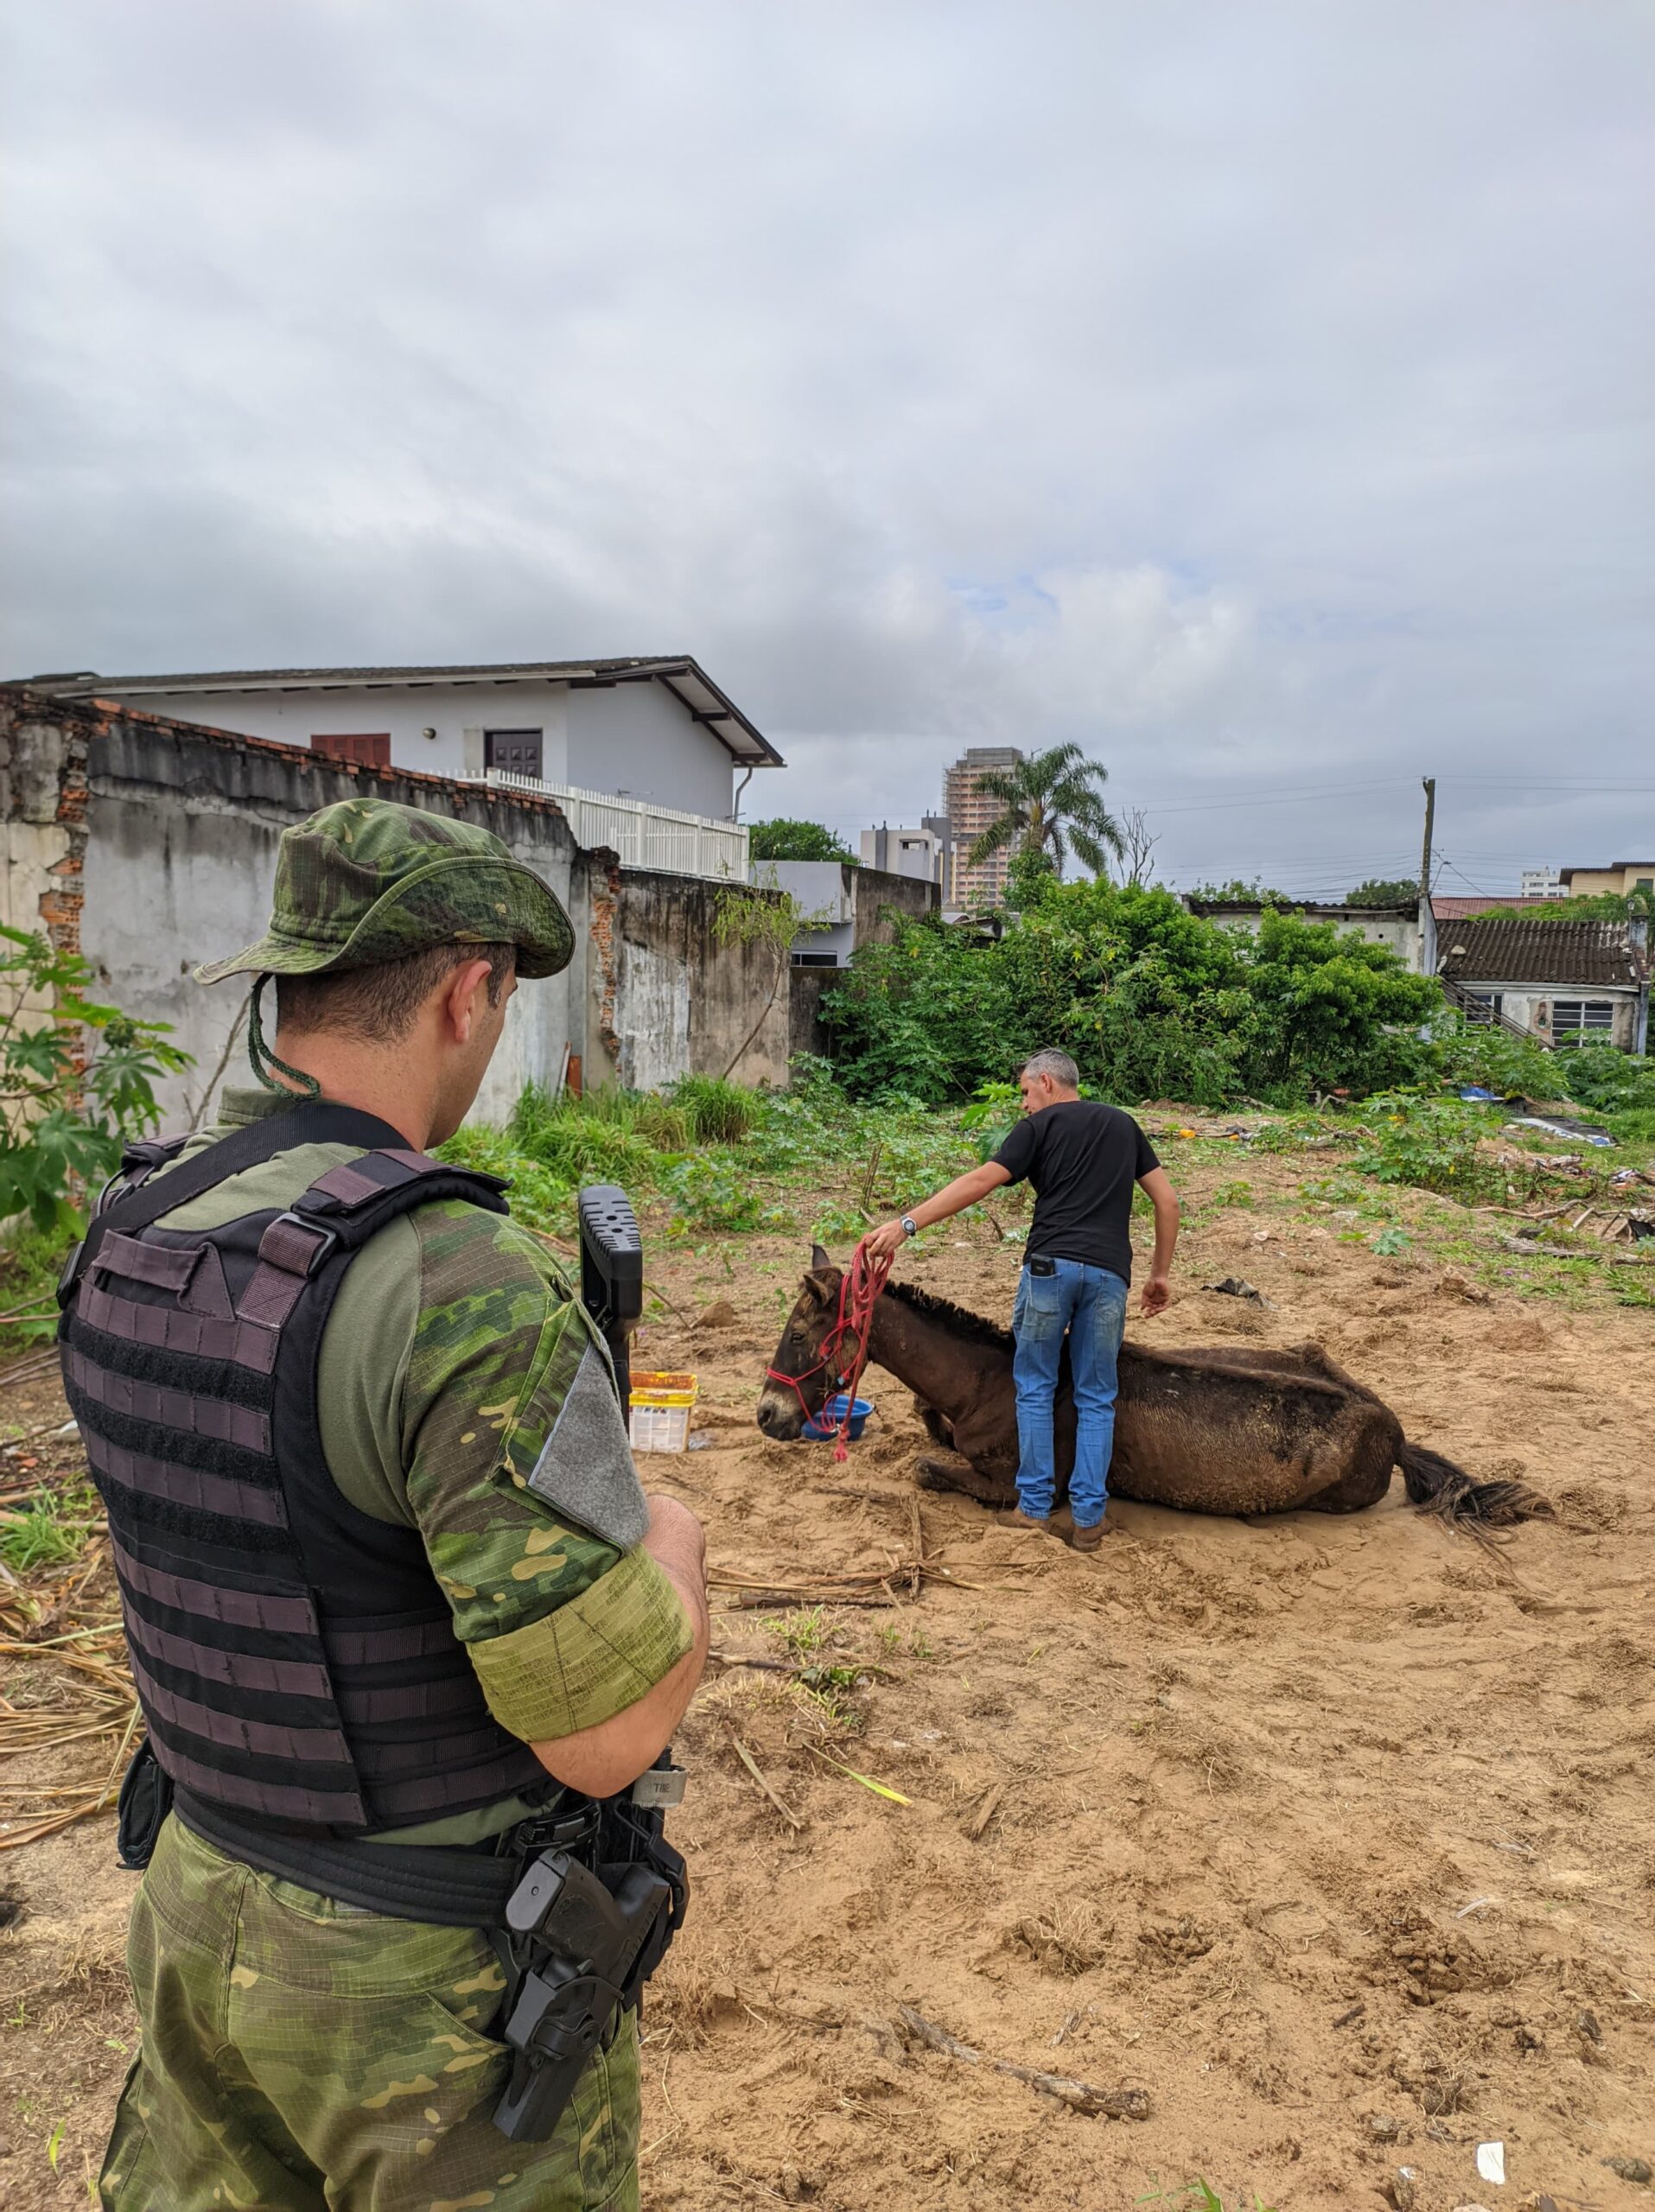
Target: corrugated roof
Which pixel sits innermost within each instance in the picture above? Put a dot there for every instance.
(693, 688)
(1501, 949)
(1456, 905)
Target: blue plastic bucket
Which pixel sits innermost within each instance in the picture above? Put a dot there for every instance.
(825, 1424)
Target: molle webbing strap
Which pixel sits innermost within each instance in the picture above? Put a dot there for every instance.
(166, 1328)
(311, 1122)
(221, 1419)
(281, 1801)
(187, 1486)
(246, 1670)
(265, 1739)
(268, 1611)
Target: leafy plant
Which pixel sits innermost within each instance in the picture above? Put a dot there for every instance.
(1051, 801)
(1233, 1194)
(717, 1111)
(76, 1081)
(782, 839)
(49, 1531)
(1391, 1241)
(994, 1112)
(711, 1189)
(1384, 891)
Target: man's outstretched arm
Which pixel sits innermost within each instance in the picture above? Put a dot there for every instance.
(953, 1197)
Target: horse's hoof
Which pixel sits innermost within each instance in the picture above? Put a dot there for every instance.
(928, 1475)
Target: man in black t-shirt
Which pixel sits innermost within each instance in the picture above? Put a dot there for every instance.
(1083, 1159)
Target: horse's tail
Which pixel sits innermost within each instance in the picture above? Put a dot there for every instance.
(1436, 1485)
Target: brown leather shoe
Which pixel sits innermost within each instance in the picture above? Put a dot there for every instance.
(1087, 1539)
(1018, 1519)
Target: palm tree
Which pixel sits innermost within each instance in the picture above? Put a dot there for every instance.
(1051, 803)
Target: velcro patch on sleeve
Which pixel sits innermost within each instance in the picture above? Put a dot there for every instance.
(585, 1473)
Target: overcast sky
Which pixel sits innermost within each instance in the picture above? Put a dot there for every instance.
(1258, 394)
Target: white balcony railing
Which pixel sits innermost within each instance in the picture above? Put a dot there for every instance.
(643, 835)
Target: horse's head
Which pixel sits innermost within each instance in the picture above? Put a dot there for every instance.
(804, 1373)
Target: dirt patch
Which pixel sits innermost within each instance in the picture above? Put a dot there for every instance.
(1286, 1824)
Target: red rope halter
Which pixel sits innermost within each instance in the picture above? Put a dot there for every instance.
(859, 1288)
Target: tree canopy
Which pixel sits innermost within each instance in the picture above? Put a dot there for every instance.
(1384, 891)
(1051, 802)
(1152, 1000)
(783, 839)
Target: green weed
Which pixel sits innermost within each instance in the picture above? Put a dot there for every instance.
(1232, 1194)
(716, 1110)
(48, 1532)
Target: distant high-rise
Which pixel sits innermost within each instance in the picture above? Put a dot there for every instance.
(970, 812)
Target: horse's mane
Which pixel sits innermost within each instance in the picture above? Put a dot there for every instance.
(974, 1328)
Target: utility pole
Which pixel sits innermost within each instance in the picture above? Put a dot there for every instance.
(1427, 919)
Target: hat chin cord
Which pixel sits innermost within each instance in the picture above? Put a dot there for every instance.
(262, 1059)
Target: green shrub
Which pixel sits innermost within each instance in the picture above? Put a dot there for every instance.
(66, 1110)
(713, 1190)
(717, 1110)
(1152, 1000)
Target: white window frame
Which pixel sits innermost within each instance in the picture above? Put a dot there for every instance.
(1582, 1017)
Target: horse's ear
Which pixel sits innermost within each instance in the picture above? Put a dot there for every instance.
(819, 1257)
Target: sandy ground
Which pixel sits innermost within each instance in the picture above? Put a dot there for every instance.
(1332, 1837)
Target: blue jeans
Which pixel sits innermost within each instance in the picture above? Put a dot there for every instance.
(1089, 1304)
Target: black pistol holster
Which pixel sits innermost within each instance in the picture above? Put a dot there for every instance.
(580, 1940)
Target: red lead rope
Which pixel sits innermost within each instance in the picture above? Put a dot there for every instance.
(859, 1288)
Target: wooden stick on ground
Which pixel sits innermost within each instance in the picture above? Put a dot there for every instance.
(988, 1806)
(918, 1568)
(745, 1757)
(1108, 2104)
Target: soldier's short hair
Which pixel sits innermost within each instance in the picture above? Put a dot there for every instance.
(381, 1001)
(1058, 1065)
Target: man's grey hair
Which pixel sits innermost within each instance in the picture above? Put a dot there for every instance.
(1058, 1065)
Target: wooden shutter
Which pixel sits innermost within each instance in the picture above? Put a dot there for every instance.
(368, 751)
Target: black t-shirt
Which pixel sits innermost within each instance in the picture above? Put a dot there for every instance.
(1083, 1160)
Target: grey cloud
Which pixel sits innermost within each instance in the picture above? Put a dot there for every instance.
(1260, 395)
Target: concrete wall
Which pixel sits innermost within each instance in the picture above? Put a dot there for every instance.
(845, 906)
(639, 741)
(665, 998)
(1530, 1005)
(150, 844)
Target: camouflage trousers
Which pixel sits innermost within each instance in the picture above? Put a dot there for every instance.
(299, 2056)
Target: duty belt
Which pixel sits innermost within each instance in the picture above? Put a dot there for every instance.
(581, 1904)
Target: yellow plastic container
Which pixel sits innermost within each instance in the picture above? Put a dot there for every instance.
(661, 1405)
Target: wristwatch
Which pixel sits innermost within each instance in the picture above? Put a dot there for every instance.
(908, 1229)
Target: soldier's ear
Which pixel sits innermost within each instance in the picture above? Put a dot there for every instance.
(819, 1257)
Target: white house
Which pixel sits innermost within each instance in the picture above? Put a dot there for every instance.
(904, 851)
(658, 734)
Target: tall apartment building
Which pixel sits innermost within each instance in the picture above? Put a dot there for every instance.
(1541, 883)
(970, 812)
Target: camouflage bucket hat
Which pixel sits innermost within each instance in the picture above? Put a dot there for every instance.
(364, 881)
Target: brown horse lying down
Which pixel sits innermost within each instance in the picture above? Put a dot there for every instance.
(1211, 1430)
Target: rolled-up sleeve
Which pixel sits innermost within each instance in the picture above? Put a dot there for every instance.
(590, 1659)
(564, 1628)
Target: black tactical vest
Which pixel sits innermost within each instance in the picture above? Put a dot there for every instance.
(295, 1658)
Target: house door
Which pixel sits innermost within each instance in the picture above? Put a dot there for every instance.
(516, 751)
(371, 751)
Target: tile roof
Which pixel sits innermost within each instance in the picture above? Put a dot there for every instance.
(1456, 905)
(1501, 949)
